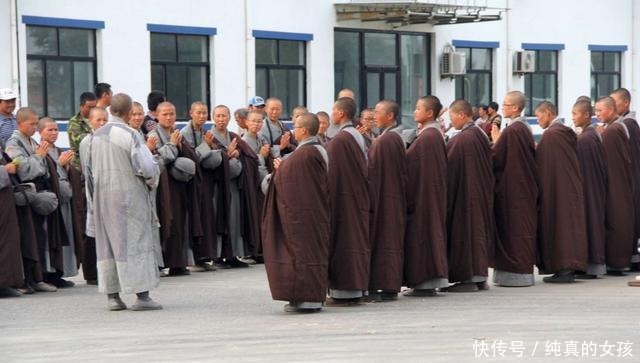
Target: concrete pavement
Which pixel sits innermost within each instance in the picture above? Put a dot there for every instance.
(228, 315)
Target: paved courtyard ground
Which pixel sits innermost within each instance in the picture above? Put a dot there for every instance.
(228, 316)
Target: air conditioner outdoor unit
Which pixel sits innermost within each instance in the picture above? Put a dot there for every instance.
(453, 64)
(524, 61)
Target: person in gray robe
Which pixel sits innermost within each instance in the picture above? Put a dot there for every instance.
(32, 168)
(98, 117)
(209, 159)
(123, 170)
(274, 130)
(225, 141)
(48, 129)
(257, 142)
(173, 205)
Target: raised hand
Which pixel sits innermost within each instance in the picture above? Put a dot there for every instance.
(208, 138)
(284, 140)
(66, 157)
(43, 148)
(176, 138)
(265, 150)
(495, 133)
(152, 143)
(276, 163)
(11, 168)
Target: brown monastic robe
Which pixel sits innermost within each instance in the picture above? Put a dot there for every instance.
(516, 199)
(251, 203)
(562, 233)
(594, 182)
(470, 216)
(388, 211)
(425, 243)
(11, 274)
(634, 142)
(619, 201)
(176, 200)
(33, 271)
(295, 231)
(350, 252)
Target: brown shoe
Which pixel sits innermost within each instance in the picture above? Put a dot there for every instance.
(342, 302)
(420, 292)
(464, 287)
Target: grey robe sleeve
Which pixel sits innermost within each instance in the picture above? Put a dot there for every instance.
(144, 163)
(235, 168)
(265, 183)
(31, 166)
(5, 181)
(65, 186)
(168, 153)
(209, 159)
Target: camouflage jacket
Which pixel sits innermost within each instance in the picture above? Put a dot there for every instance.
(77, 129)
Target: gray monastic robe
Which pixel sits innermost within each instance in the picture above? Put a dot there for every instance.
(22, 148)
(235, 215)
(68, 252)
(255, 143)
(123, 172)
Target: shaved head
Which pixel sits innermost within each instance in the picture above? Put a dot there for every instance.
(25, 113)
(517, 98)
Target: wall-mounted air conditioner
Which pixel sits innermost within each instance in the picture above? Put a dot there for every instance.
(524, 61)
(453, 64)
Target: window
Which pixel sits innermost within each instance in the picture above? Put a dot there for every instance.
(61, 64)
(542, 85)
(475, 85)
(605, 73)
(281, 72)
(180, 69)
(378, 65)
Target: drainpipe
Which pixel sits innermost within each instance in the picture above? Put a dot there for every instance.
(15, 55)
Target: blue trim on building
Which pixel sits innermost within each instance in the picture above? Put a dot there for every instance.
(608, 48)
(265, 34)
(474, 44)
(62, 22)
(532, 120)
(177, 29)
(542, 46)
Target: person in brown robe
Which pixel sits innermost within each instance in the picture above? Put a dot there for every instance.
(593, 168)
(177, 200)
(11, 274)
(425, 242)
(562, 232)
(33, 167)
(620, 215)
(296, 231)
(200, 141)
(388, 211)
(470, 218)
(622, 97)
(350, 252)
(516, 198)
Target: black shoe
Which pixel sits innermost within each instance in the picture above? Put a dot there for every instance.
(235, 262)
(586, 277)
(179, 271)
(616, 273)
(92, 282)
(9, 292)
(61, 283)
(420, 292)
(482, 286)
(560, 278)
(635, 267)
(462, 287)
(259, 259)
